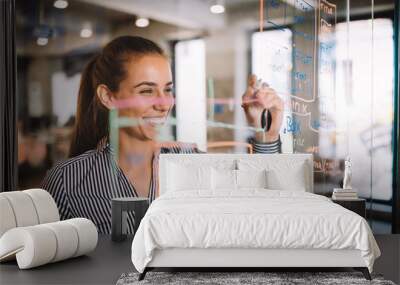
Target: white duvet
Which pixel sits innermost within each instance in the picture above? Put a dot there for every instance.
(253, 218)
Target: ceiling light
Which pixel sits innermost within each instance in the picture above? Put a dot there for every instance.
(218, 8)
(42, 41)
(86, 33)
(61, 4)
(142, 22)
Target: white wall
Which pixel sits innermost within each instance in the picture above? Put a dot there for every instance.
(65, 92)
(191, 93)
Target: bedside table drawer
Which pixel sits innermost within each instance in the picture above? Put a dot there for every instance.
(357, 206)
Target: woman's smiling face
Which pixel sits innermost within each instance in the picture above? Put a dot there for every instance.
(146, 94)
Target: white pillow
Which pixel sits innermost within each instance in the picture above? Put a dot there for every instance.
(183, 177)
(293, 179)
(223, 179)
(251, 178)
(280, 174)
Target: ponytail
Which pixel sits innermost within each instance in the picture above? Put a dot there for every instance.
(89, 114)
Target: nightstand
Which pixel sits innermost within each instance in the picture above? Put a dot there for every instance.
(355, 205)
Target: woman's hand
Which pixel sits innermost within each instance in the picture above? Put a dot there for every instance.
(255, 100)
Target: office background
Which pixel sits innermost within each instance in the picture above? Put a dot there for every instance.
(336, 68)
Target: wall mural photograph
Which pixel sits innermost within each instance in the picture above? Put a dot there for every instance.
(108, 93)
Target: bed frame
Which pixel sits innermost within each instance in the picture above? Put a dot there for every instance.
(246, 259)
(249, 258)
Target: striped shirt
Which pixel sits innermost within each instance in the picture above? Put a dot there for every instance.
(83, 186)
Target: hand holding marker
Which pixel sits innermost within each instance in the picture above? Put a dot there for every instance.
(266, 118)
(263, 109)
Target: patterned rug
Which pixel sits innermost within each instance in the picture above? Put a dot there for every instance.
(225, 278)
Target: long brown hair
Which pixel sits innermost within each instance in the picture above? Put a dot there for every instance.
(108, 68)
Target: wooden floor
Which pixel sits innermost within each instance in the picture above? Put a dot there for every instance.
(389, 262)
(106, 264)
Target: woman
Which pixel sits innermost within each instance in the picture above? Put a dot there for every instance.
(133, 69)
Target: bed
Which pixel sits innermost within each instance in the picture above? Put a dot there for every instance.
(246, 211)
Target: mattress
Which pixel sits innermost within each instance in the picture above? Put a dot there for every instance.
(251, 219)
